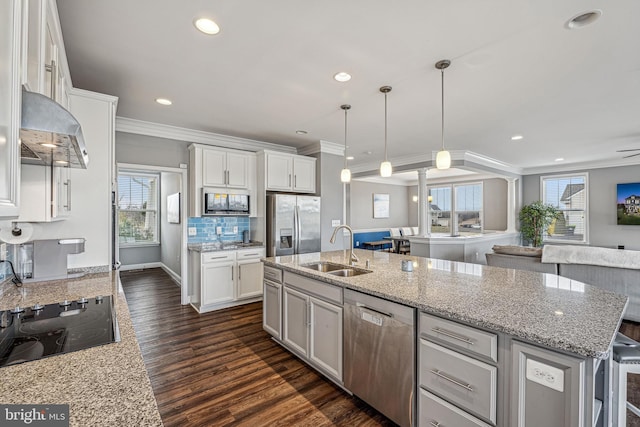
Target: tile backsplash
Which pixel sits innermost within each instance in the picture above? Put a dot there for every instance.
(206, 228)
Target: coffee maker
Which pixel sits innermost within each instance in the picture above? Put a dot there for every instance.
(40, 260)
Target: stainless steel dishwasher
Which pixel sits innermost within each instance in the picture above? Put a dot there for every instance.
(379, 354)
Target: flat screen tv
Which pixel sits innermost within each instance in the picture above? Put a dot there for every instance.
(628, 204)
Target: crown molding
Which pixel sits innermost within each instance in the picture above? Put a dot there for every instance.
(570, 167)
(93, 95)
(124, 124)
(322, 147)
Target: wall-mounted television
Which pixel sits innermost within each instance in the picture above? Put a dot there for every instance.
(628, 203)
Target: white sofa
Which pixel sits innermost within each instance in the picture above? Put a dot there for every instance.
(610, 269)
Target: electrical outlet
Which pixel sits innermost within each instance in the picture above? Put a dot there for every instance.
(335, 222)
(546, 375)
(235, 229)
(193, 231)
(218, 230)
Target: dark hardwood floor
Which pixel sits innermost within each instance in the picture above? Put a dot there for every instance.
(221, 368)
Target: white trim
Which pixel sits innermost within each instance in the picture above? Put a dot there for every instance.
(174, 276)
(136, 167)
(322, 147)
(373, 230)
(577, 167)
(585, 240)
(124, 124)
(144, 266)
(93, 95)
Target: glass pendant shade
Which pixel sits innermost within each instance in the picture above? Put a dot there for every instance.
(385, 169)
(443, 159)
(345, 175)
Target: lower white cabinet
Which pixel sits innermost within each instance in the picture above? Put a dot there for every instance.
(305, 316)
(225, 279)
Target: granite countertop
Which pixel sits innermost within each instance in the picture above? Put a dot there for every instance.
(104, 386)
(226, 246)
(543, 308)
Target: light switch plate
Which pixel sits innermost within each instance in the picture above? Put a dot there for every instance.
(335, 222)
(193, 231)
(546, 375)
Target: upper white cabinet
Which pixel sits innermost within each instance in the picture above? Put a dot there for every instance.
(44, 62)
(10, 54)
(225, 169)
(289, 172)
(46, 193)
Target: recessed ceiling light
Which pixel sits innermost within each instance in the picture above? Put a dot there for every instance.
(163, 101)
(207, 26)
(368, 153)
(583, 19)
(342, 77)
(559, 159)
(350, 157)
(301, 132)
(48, 145)
(516, 137)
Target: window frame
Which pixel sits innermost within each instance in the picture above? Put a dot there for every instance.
(137, 173)
(585, 176)
(454, 211)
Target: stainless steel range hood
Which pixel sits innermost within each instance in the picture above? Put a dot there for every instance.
(50, 134)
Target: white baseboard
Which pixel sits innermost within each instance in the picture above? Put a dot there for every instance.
(174, 276)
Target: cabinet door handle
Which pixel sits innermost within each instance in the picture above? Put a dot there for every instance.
(232, 272)
(289, 180)
(308, 314)
(295, 180)
(68, 205)
(451, 380)
(51, 68)
(239, 272)
(453, 335)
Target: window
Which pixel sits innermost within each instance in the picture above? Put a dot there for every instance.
(137, 208)
(568, 194)
(467, 209)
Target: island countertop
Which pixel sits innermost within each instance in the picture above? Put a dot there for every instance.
(542, 308)
(105, 385)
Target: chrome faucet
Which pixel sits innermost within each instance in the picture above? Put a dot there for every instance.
(353, 258)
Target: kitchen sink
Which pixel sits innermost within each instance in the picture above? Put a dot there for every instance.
(324, 266)
(348, 272)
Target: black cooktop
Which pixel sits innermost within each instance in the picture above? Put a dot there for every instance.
(45, 330)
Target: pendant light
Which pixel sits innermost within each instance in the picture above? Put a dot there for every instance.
(345, 174)
(443, 159)
(385, 167)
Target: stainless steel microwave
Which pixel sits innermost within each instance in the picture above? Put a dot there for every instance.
(224, 203)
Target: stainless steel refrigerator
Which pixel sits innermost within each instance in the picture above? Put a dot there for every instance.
(293, 224)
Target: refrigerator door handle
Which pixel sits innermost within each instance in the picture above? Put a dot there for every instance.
(296, 233)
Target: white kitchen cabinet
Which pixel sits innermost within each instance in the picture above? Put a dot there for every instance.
(217, 282)
(44, 63)
(312, 324)
(289, 172)
(45, 197)
(250, 273)
(272, 308)
(225, 278)
(225, 169)
(11, 20)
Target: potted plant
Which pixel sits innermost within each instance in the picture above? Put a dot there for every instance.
(535, 218)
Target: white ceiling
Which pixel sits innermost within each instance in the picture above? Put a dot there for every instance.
(516, 69)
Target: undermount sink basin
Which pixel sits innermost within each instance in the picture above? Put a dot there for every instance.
(348, 272)
(335, 269)
(324, 267)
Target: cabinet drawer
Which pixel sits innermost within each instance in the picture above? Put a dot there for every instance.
(251, 253)
(218, 256)
(273, 274)
(434, 411)
(459, 336)
(467, 382)
(314, 287)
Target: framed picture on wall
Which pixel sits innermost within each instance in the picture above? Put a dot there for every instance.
(173, 208)
(628, 204)
(380, 205)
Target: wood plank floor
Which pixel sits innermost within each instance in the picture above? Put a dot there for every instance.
(221, 368)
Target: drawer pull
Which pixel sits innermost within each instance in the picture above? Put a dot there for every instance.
(452, 335)
(253, 254)
(456, 382)
(218, 257)
(434, 423)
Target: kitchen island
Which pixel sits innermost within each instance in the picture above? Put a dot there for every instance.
(566, 325)
(103, 386)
